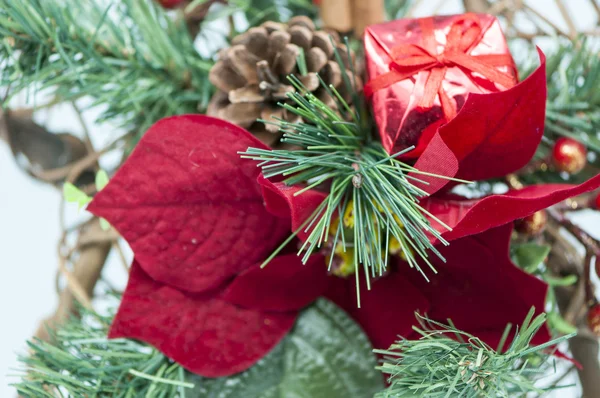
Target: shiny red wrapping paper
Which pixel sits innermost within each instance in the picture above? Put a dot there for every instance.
(424, 45)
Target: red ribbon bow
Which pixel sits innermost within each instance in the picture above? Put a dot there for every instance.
(410, 59)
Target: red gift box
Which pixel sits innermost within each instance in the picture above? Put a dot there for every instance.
(421, 71)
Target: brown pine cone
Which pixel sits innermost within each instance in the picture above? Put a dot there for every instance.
(252, 74)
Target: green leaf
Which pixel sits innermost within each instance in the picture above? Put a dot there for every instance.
(566, 281)
(105, 225)
(75, 195)
(558, 323)
(267, 373)
(101, 180)
(326, 355)
(530, 255)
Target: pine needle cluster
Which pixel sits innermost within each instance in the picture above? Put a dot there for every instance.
(372, 205)
(128, 56)
(573, 108)
(446, 362)
(82, 362)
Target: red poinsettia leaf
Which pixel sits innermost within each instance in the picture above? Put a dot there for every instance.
(280, 200)
(202, 332)
(493, 134)
(189, 206)
(480, 289)
(469, 217)
(285, 284)
(386, 311)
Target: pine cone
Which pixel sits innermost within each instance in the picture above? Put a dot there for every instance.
(251, 75)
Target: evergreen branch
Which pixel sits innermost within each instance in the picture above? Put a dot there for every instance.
(573, 105)
(396, 9)
(573, 108)
(372, 208)
(82, 362)
(325, 355)
(128, 56)
(447, 362)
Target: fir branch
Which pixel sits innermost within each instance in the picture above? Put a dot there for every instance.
(129, 56)
(447, 362)
(82, 362)
(396, 9)
(573, 108)
(573, 105)
(372, 208)
(325, 355)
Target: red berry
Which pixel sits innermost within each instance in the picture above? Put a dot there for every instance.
(597, 202)
(569, 155)
(532, 225)
(593, 319)
(170, 3)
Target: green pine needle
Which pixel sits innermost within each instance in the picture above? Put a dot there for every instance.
(128, 56)
(446, 362)
(375, 191)
(82, 362)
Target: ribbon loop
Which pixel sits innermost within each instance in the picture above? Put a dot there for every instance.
(410, 59)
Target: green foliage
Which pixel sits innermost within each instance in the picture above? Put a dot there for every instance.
(573, 97)
(397, 8)
(73, 194)
(446, 362)
(259, 11)
(530, 255)
(84, 363)
(127, 55)
(326, 355)
(573, 105)
(101, 180)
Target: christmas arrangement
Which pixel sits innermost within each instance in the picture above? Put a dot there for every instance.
(319, 202)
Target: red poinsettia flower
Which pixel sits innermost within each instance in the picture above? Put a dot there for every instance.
(478, 288)
(200, 219)
(193, 213)
(493, 135)
(470, 288)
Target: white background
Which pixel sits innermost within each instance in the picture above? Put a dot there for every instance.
(29, 229)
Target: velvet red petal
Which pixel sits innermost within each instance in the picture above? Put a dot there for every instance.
(469, 217)
(281, 201)
(480, 289)
(492, 135)
(189, 206)
(205, 334)
(285, 284)
(386, 311)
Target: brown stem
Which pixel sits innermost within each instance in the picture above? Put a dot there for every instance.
(584, 348)
(591, 244)
(568, 19)
(571, 300)
(86, 270)
(481, 6)
(585, 351)
(337, 14)
(365, 13)
(596, 7)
